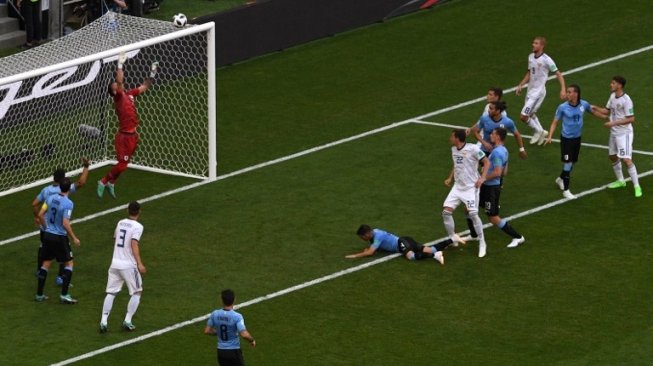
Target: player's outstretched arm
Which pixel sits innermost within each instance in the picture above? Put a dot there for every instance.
(563, 87)
(600, 112)
(147, 83)
(369, 251)
(245, 334)
(523, 82)
(81, 182)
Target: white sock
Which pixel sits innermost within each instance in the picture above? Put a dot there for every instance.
(534, 123)
(478, 226)
(617, 170)
(132, 306)
(106, 308)
(449, 224)
(632, 170)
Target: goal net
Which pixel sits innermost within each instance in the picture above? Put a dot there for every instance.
(55, 107)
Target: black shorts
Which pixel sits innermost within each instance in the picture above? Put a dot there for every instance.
(569, 149)
(406, 244)
(56, 247)
(489, 196)
(230, 357)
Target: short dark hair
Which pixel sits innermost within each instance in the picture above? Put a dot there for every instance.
(228, 297)
(58, 175)
(497, 91)
(501, 132)
(620, 79)
(363, 229)
(64, 185)
(460, 134)
(134, 208)
(576, 89)
(500, 105)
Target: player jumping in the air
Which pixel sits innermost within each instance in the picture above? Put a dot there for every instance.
(127, 138)
(539, 67)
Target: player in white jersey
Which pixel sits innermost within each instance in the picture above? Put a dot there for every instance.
(539, 67)
(126, 267)
(467, 181)
(621, 115)
(494, 94)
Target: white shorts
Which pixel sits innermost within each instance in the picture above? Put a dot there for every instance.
(469, 197)
(621, 145)
(532, 104)
(119, 276)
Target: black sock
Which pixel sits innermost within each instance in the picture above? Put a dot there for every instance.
(42, 276)
(566, 179)
(67, 276)
(470, 225)
(510, 231)
(62, 267)
(39, 261)
(443, 244)
(421, 255)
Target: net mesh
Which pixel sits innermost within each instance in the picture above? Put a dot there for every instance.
(52, 120)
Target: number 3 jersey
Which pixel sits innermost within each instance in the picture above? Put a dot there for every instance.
(126, 231)
(465, 165)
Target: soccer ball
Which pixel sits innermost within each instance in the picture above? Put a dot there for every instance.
(179, 20)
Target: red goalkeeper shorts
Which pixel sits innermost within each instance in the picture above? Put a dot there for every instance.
(126, 144)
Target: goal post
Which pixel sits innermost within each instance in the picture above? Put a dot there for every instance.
(55, 108)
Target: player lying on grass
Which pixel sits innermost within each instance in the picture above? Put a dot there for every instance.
(388, 242)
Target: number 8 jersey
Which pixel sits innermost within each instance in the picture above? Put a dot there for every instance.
(126, 231)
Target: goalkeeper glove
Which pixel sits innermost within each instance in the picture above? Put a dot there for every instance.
(122, 58)
(153, 69)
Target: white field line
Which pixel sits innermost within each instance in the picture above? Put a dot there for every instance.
(568, 72)
(311, 282)
(322, 147)
(604, 147)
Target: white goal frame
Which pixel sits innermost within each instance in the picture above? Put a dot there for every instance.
(209, 29)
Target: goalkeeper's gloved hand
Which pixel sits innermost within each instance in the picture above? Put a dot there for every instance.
(122, 58)
(153, 69)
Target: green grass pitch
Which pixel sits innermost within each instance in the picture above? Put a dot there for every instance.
(577, 293)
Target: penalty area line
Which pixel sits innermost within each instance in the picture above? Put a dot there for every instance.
(325, 146)
(586, 144)
(313, 282)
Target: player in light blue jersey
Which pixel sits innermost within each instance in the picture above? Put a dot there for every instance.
(493, 119)
(40, 199)
(55, 219)
(491, 188)
(381, 240)
(570, 113)
(229, 326)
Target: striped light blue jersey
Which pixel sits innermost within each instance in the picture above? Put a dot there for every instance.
(385, 241)
(487, 124)
(60, 207)
(52, 190)
(228, 324)
(571, 117)
(498, 158)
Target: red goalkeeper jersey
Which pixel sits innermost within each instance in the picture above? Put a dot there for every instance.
(126, 110)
